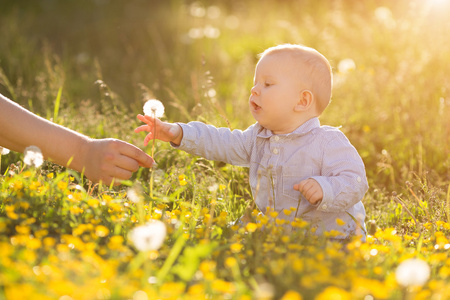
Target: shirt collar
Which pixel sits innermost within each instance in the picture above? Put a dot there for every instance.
(301, 130)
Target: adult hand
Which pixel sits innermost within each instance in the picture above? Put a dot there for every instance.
(111, 160)
(311, 190)
(164, 131)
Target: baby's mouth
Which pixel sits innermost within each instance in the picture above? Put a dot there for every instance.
(255, 106)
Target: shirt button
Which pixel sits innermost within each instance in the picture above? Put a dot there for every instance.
(324, 206)
(358, 179)
(275, 151)
(276, 138)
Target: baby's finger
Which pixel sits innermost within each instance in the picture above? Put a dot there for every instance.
(148, 138)
(142, 128)
(145, 119)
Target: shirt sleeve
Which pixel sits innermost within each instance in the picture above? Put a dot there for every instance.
(343, 179)
(220, 144)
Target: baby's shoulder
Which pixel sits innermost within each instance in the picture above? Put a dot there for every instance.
(328, 133)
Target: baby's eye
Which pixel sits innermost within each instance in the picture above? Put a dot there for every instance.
(267, 83)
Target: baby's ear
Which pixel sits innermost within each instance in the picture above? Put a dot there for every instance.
(305, 101)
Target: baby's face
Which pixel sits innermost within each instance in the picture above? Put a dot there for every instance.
(275, 93)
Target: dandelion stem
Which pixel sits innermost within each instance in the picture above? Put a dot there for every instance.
(298, 205)
(153, 152)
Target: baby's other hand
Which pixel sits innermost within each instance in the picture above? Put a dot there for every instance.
(311, 190)
(164, 131)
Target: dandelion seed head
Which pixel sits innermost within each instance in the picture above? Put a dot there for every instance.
(134, 193)
(149, 236)
(33, 156)
(154, 108)
(3, 151)
(412, 272)
(346, 65)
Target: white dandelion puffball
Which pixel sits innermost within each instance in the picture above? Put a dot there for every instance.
(3, 151)
(149, 236)
(33, 156)
(154, 108)
(412, 272)
(346, 65)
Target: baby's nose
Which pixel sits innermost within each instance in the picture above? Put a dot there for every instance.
(254, 91)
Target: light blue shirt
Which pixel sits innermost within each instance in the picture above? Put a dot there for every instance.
(278, 161)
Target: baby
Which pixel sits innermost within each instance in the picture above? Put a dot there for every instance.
(294, 162)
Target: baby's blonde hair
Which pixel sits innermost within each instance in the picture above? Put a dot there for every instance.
(320, 77)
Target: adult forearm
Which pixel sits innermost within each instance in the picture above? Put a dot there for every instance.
(20, 128)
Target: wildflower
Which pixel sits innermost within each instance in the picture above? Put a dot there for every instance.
(150, 236)
(292, 295)
(134, 193)
(230, 262)
(412, 272)
(340, 222)
(251, 227)
(33, 156)
(101, 231)
(333, 292)
(287, 212)
(3, 151)
(236, 247)
(62, 185)
(182, 179)
(154, 108)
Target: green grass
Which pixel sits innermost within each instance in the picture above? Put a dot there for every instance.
(90, 65)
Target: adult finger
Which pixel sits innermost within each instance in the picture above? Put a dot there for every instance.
(123, 174)
(136, 154)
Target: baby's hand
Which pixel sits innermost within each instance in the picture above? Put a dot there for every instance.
(311, 190)
(166, 132)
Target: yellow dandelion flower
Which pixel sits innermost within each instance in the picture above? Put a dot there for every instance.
(273, 214)
(101, 231)
(333, 292)
(12, 215)
(22, 229)
(62, 185)
(291, 295)
(340, 222)
(25, 205)
(280, 221)
(50, 175)
(223, 286)
(207, 266)
(251, 227)
(196, 290)
(236, 247)
(34, 185)
(17, 185)
(94, 203)
(34, 244)
(230, 262)
(49, 242)
(298, 223)
(287, 212)
(235, 227)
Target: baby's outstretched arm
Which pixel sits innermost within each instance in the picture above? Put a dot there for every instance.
(164, 131)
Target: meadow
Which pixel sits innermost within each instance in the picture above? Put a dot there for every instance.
(91, 65)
